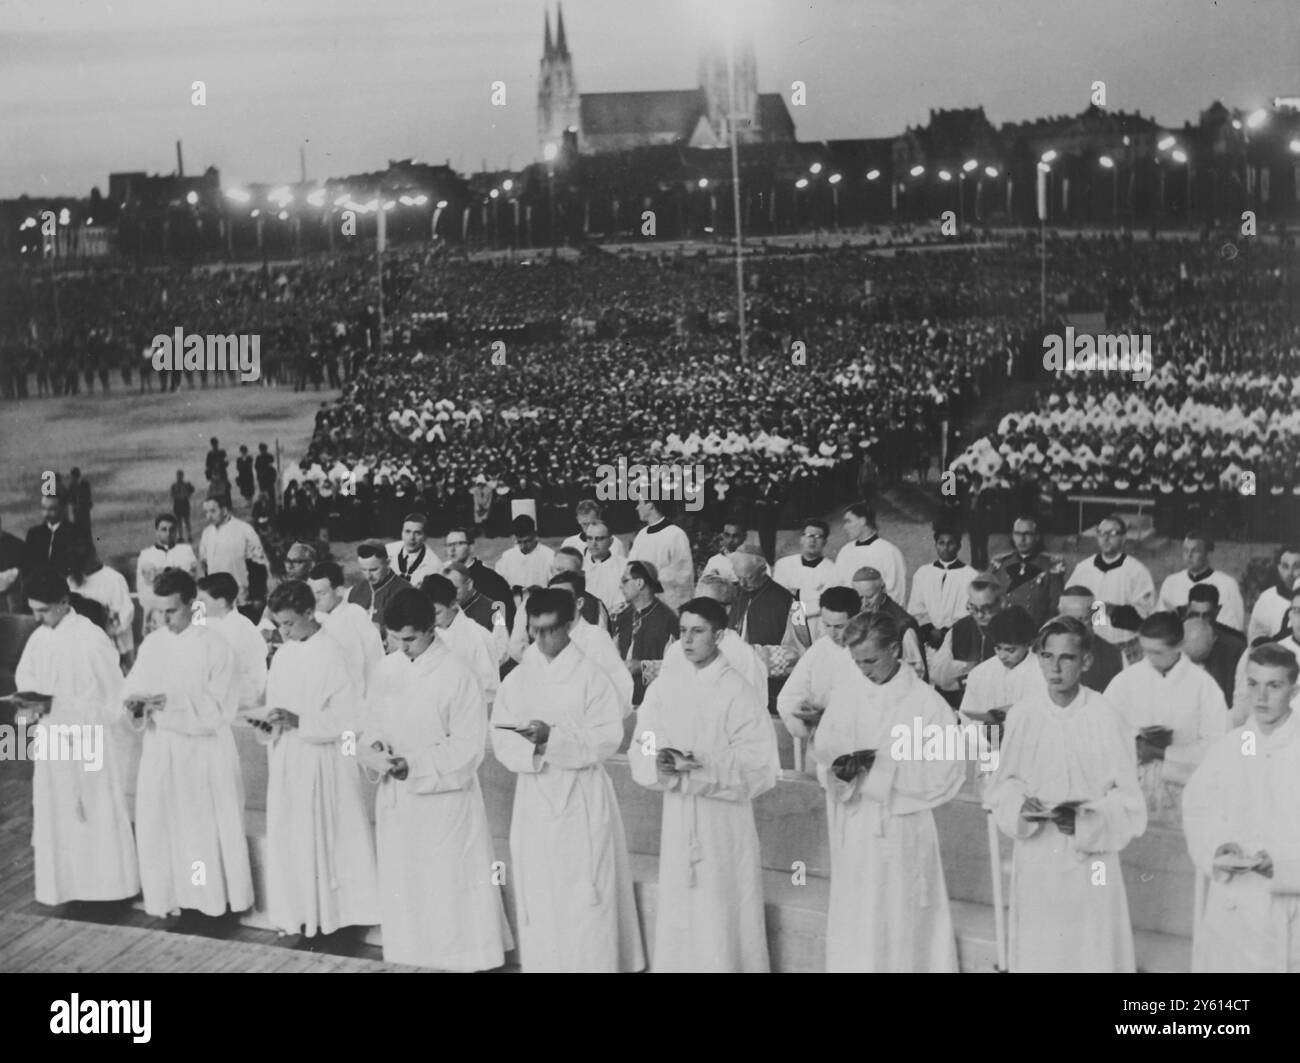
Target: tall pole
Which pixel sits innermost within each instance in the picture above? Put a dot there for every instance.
(735, 195)
(379, 266)
(1042, 244)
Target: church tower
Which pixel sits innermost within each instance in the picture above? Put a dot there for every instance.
(715, 86)
(557, 92)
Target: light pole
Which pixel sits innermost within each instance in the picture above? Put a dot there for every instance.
(1044, 174)
(549, 153)
(834, 181)
(1109, 164)
(991, 172)
(966, 167)
(946, 178)
(872, 176)
(799, 185)
(916, 171)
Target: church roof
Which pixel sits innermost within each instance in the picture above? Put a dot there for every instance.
(614, 113)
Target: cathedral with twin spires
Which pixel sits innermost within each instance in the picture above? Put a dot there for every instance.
(604, 122)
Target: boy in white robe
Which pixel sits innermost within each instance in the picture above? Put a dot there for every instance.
(808, 688)
(665, 546)
(557, 718)
(1066, 790)
(889, 903)
(703, 736)
(189, 824)
(320, 844)
(440, 907)
(596, 643)
(1175, 710)
(81, 827)
(1291, 643)
(471, 642)
(346, 621)
(217, 596)
(1241, 816)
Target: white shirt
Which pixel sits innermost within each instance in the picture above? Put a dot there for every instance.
(108, 587)
(1128, 584)
(720, 565)
(353, 629)
(806, 582)
(430, 564)
(228, 548)
(1268, 616)
(1240, 707)
(880, 554)
(249, 648)
(1176, 587)
(150, 564)
(616, 547)
(992, 685)
(669, 550)
(939, 593)
(605, 580)
(811, 680)
(526, 570)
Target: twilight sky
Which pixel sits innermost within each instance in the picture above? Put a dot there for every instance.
(89, 86)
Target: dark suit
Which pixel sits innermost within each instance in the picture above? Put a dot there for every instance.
(46, 547)
(1107, 663)
(12, 555)
(493, 586)
(762, 615)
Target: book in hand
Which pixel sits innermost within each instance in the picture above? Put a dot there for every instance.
(1050, 813)
(512, 727)
(996, 715)
(1237, 862)
(1160, 737)
(809, 714)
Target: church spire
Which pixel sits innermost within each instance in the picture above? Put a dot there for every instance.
(561, 45)
(548, 48)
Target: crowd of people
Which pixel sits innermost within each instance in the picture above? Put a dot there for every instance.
(1095, 701)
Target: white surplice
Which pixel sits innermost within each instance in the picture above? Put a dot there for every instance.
(1247, 791)
(358, 636)
(739, 654)
(1186, 700)
(109, 588)
(249, 648)
(81, 827)
(438, 900)
(474, 645)
(811, 681)
(572, 878)
(189, 804)
(888, 901)
(710, 909)
(1069, 909)
(667, 547)
(320, 843)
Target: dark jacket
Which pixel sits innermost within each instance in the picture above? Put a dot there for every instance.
(493, 586)
(654, 627)
(40, 551)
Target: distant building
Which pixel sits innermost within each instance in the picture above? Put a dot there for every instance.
(607, 122)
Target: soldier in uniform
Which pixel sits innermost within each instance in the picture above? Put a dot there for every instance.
(1034, 579)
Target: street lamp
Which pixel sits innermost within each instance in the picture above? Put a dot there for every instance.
(1107, 163)
(834, 181)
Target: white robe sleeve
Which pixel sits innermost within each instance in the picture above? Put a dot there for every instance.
(1182, 759)
(451, 762)
(944, 671)
(647, 740)
(515, 752)
(340, 710)
(1110, 822)
(1006, 795)
(591, 736)
(916, 784)
(749, 764)
(1208, 799)
(796, 691)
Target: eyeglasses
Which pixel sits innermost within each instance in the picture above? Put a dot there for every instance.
(981, 610)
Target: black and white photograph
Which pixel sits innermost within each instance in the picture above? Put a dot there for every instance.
(651, 486)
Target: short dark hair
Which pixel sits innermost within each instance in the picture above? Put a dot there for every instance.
(1065, 625)
(416, 518)
(841, 600)
(467, 532)
(865, 510)
(1204, 592)
(372, 549)
(221, 498)
(1123, 525)
(523, 526)
(45, 585)
(1028, 518)
(1163, 626)
(175, 581)
(220, 585)
(739, 522)
(1013, 627)
(409, 608)
(1077, 590)
(546, 600)
(1200, 535)
(710, 611)
(880, 628)
(169, 517)
(1124, 618)
(1273, 655)
(438, 589)
(576, 580)
(293, 595)
(819, 524)
(330, 570)
(570, 551)
(941, 527)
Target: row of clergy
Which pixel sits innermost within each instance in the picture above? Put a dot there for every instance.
(1069, 785)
